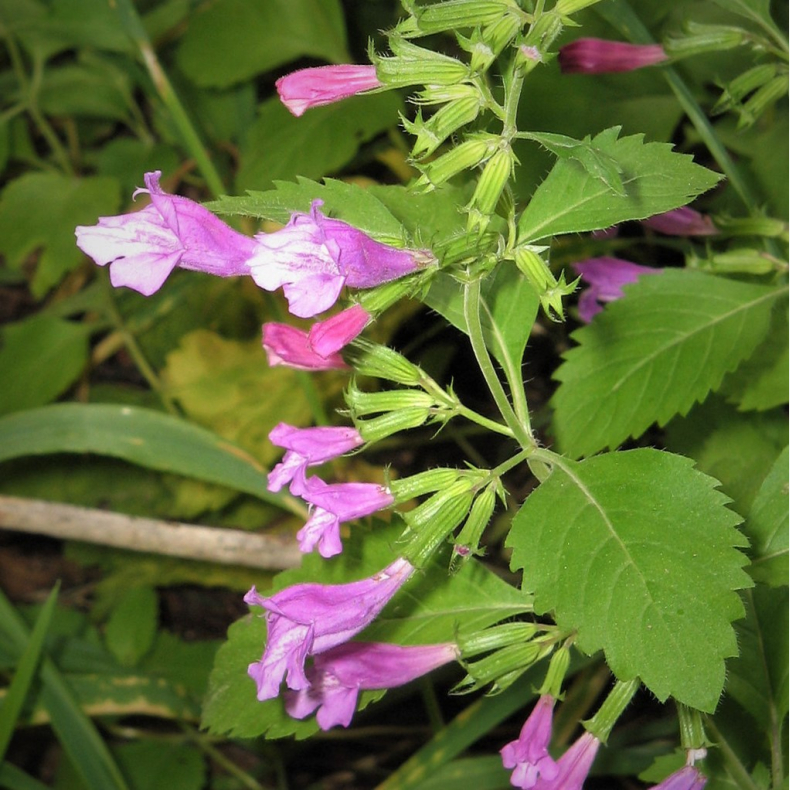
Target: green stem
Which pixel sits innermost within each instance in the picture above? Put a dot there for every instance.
(475, 329)
(506, 466)
(220, 759)
(30, 88)
(484, 422)
(133, 25)
(136, 353)
(735, 768)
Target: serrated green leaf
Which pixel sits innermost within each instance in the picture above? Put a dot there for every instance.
(41, 210)
(131, 629)
(635, 551)
(349, 202)
(280, 147)
(40, 357)
(510, 306)
(142, 436)
(654, 353)
(232, 40)
(571, 200)
(427, 610)
(766, 527)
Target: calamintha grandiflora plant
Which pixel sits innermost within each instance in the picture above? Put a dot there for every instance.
(629, 555)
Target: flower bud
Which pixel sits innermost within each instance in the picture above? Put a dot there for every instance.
(761, 100)
(454, 15)
(558, 668)
(501, 668)
(413, 65)
(738, 261)
(743, 85)
(469, 154)
(704, 38)
(496, 637)
(377, 361)
(485, 45)
(550, 290)
(423, 483)
(566, 7)
(752, 226)
(492, 182)
(468, 540)
(385, 425)
(362, 403)
(432, 133)
(430, 523)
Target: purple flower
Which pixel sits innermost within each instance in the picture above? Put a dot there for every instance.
(599, 56)
(307, 619)
(682, 221)
(306, 88)
(337, 676)
(143, 247)
(307, 447)
(313, 257)
(334, 504)
(687, 778)
(606, 278)
(573, 766)
(529, 755)
(289, 346)
(327, 337)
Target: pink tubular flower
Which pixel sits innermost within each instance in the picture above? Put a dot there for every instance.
(334, 504)
(606, 278)
(306, 88)
(307, 619)
(687, 778)
(573, 766)
(143, 247)
(327, 337)
(307, 447)
(313, 257)
(337, 677)
(289, 346)
(529, 755)
(682, 221)
(599, 56)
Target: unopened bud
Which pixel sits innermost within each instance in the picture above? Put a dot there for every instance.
(555, 675)
(566, 7)
(361, 403)
(501, 668)
(744, 84)
(550, 290)
(413, 65)
(467, 541)
(454, 15)
(752, 226)
(493, 179)
(423, 483)
(372, 359)
(378, 428)
(469, 154)
(761, 100)
(432, 133)
(496, 637)
(739, 261)
(704, 38)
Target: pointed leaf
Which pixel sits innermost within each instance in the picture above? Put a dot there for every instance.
(654, 353)
(635, 551)
(572, 200)
(140, 436)
(767, 527)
